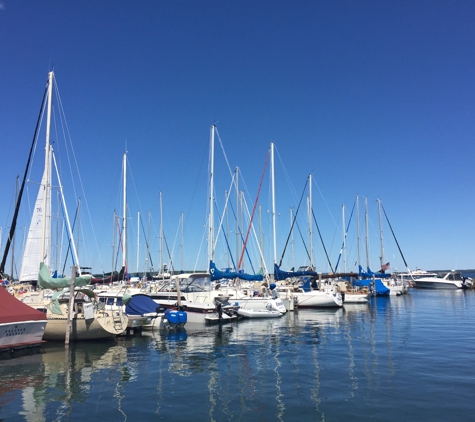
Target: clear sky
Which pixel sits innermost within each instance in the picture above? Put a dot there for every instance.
(373, 98)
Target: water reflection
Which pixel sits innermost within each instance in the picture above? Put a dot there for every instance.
(323, 364)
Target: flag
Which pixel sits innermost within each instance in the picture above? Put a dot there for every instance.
(385, 267)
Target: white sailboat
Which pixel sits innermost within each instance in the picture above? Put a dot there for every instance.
(87, 321)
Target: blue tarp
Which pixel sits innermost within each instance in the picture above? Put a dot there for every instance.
(282, 275)
(369, 274)
(218, 275)
(379, 287)
(141, 304)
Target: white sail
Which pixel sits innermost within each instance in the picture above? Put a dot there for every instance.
(38, 244)
(39, 235)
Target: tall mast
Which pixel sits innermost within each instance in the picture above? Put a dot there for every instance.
(138, 239)
(366, 230)
(381, 234)
(236, 180)
(343, 223)
(161, 271)
(358, 231)
(46, 236)
(310, 214)
(273, 201)
(124, 211)
(211, 197)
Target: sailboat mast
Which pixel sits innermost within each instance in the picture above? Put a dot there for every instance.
(381, 233)
(310, 212)
(343, 223)
(366, 230)
(138, 239)
(211, 197)
(124, 210)
(236, 181)
(273, 200)
(358, 230)
(46, 225)
(161, 270)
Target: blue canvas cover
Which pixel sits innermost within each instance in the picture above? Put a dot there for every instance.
(282, 275)
(379, 287)
(369, 274)
(141, 304)
(218, 275)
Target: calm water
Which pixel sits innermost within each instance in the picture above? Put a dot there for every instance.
(407, 358)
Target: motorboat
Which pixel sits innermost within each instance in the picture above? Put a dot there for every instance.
(451, 280)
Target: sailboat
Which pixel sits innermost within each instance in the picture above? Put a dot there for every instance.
(78, 309)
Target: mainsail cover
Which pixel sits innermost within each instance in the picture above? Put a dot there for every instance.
(218, 275)
(282, 275)
(370, 274)
(45, 281)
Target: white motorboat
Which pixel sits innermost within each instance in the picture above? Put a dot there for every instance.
(451, 280)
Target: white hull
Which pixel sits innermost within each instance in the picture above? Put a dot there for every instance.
(198, 314)
(17, 335)
(260, 303)
(259, 313)
(319, 299)
(356, 298)
(434, 284)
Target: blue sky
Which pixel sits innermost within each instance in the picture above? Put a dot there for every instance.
(373, 98)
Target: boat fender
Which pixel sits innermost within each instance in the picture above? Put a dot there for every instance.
(182, 317)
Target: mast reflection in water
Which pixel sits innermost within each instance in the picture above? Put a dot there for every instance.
(397, 358)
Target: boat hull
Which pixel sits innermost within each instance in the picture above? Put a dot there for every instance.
(319, 299)
(18, 335)
(259, 313)
(102, 326)
(435, 285)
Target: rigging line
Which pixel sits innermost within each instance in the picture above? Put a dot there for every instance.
(256, 239)
(254, 208)
(224, 152)
(326, 204)
(69, 240)
(65, 129)
(224, 211)
(293, 222)
(226, 239)
(121, 247)
(20, 194)
(346, 234)
(321, 240)
(242, 239)
(304, 244)
(168, 250)
(397, 243)
(146, 240)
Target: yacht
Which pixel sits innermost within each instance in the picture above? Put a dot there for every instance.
(452, 280)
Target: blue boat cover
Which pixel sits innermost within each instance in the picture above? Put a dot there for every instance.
(369, 274)
(379, 287)
(141, 304)
(218, 275)
(282, 275)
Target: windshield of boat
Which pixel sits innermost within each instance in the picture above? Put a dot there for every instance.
(196, 284)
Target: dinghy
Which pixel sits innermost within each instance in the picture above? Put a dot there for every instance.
(259, 313)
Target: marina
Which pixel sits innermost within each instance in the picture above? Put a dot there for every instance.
(358, 362)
